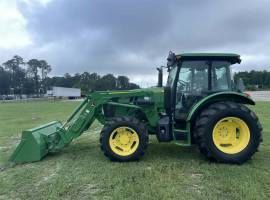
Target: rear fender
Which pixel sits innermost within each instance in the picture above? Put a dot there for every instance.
(217, 97)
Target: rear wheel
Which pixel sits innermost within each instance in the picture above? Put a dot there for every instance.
(228, 132)
(124, 139)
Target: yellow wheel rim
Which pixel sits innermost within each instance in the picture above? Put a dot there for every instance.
(124, 141)
(231, 135)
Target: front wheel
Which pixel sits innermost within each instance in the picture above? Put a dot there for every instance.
(228, 132)
(124, 139)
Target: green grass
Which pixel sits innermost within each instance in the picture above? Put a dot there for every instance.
(80, 171)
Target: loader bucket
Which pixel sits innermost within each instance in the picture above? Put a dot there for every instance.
(34, 143)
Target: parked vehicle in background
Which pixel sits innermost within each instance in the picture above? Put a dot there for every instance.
(64, 92)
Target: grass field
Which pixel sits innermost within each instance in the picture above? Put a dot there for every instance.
(80, 171)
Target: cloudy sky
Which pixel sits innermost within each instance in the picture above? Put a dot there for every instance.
(132, 38)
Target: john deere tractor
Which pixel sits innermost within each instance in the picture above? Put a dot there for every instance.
(200, 105)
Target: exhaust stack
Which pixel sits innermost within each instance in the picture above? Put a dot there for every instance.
(160, 76)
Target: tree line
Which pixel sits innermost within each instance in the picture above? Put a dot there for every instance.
(92, 82)
(20, 77)
(254, 80)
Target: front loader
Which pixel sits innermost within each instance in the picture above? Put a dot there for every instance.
(200, 105)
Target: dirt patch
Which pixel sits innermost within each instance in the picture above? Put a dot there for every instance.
(196, 185)
(52, 173)
(3, 197)
(89, 189)
(4, 149)
(2, 168)
(196, 175)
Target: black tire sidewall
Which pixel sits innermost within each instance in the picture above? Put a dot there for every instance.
(254, 136)
(142, 140)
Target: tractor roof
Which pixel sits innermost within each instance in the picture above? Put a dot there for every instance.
(234, 58)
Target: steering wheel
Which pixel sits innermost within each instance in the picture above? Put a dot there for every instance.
(184, 84)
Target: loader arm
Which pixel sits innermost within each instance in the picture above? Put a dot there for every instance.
(83, 117)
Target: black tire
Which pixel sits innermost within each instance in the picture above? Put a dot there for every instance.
(206, 121)
(116, 122)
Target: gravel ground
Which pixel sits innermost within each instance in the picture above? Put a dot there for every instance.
(260, 95)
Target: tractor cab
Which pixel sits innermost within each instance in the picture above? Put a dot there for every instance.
(193, 76)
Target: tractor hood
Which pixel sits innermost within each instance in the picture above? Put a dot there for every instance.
(148, 91)
(154, 95)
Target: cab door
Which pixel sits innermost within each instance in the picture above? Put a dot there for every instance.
(192, 84)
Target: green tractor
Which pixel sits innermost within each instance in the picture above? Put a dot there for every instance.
(200, 104)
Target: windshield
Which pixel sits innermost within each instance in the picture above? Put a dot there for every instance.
(193, 76)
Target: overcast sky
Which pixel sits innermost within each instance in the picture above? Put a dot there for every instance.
(132, 38)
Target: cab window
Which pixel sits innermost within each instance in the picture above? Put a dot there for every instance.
(221, 80)
(193, 77)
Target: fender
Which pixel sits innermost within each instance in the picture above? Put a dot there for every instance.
(220, 96)
(149, 111)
